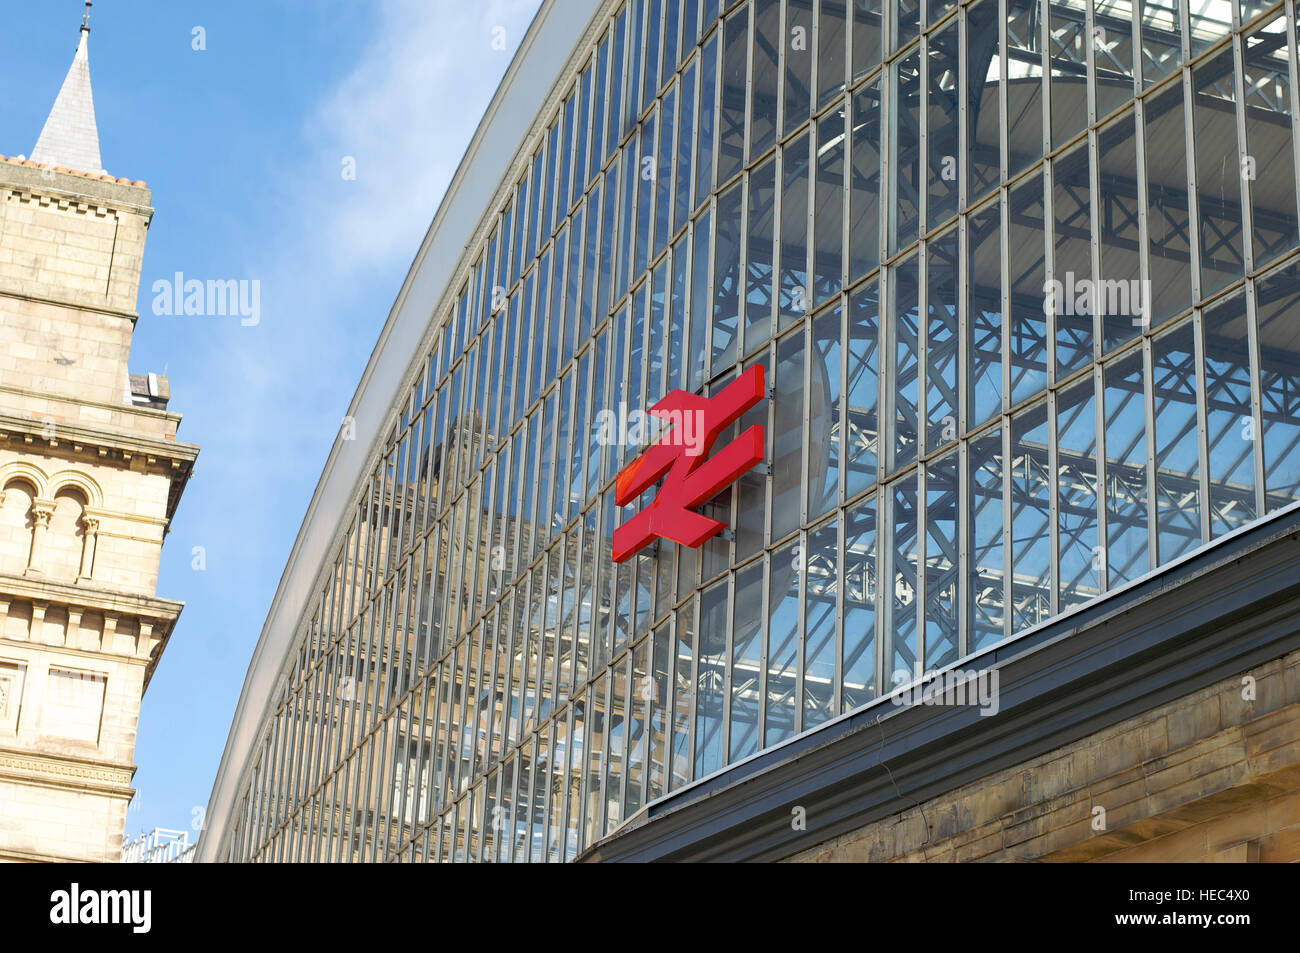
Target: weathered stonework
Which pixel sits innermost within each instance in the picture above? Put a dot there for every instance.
(1213, 776)
(89, 480)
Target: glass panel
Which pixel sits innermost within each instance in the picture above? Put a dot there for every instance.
(1211, 21)
(726, 279)
(618, 719)
(794, 291)
(941, 339)
(708, 117)
(1122, 301)
(867, 24)
(1229, 426)
(638, 720)
(1028, 351)
(787, 436)
(862, 381)
(1126, 471)
(901, 656)
(765, 79)
(904, 386)
(746, 661)
(797, 99)
(1067, 55)
(1169, 246)
(1031, 485)
(905, 153)
(759, 255)
(731, 111)
(825, 427)
(864, 183)
(683, 680)
(1112, 59)
(983, 68)
(986, 576)
(1161, 45)
(660, 712)
(984, 310)
(1072, 285)
(1278, 306)
(751, 488)
(1218, 174)
(683, 204)
(821, 584)
(1081, 556)
(942, 136)
(664, 173)
(1269, 164)
(1024, 86)
(942, 636)
(828, 224)
(859, 577)
(711, 679)
(783, 644)
(830, 50)
(1173, 380)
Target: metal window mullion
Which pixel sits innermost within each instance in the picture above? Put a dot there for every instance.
(1293, 80)
(1201, 440)
(1004, 146)
(885, 402)
(726, 668)
(1090, 65)
(814, 69)
(1103, 531)
(764, 614)
(837, 693)
(629, 705)
(1049, 263)
(695, 677)
(1193, 198)
(709, 278)
(1246, 185)
(1045, 80)
(1256, 409)
(750, 13)
(742, 271)
(923, 136)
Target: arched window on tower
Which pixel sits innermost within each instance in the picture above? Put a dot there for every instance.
(63, 548)
(16, 522)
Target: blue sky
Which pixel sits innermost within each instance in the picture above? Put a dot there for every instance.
(243, 144)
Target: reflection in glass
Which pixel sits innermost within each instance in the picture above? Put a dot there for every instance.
(1229, 425)
(1178, 505)
(1126, 470)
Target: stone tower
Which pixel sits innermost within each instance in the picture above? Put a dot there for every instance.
(90, 476)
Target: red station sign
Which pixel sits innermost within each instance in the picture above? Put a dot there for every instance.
(693, 477)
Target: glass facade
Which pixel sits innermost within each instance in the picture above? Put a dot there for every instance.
(1024, 277)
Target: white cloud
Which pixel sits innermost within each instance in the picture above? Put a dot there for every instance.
(406, 113)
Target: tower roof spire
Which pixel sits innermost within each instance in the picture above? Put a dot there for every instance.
(70, 137)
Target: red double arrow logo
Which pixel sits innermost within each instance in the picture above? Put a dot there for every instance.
(693, 477)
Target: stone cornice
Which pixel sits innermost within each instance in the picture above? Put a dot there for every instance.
(132, 316)
(160, 614)
(76, 188)
(64, 771)
(164, 455)
(91, 598)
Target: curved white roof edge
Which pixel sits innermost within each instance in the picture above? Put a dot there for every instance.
(558, 30)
